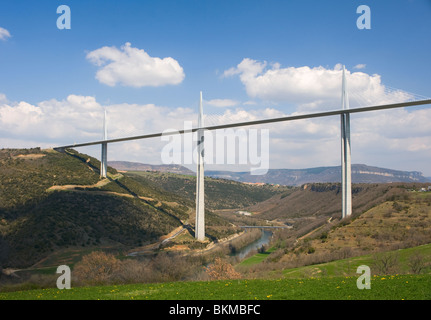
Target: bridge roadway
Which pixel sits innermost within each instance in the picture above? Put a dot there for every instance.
(256, 122)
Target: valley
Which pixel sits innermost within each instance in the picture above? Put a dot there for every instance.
(56, 210)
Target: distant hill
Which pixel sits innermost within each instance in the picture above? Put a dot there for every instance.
(137, 166)
(361, 173)
(296, 177)
(219, 193)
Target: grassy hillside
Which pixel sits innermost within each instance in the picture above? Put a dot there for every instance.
(25, 175)
(324, 199)
(219, 193)
(402, 221)
(64, 219)
(347, 267)
(51, 200)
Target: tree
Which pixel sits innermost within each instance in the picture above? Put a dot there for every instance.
(386, 262)
(416, 263)
(97, 268)
(222, 270)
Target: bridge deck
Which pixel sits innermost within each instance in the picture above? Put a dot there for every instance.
(256, 122)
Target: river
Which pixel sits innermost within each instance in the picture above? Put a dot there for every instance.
(263, 240)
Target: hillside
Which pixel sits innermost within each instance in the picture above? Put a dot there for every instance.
(401, 222)
(50, 201)
(398, 218)
(296, 177)
(219, 193)
(324, 200)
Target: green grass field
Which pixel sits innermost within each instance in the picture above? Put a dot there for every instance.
(396, 287)
(326, 281)
(257, 258)
(345, 266)
(349, 266)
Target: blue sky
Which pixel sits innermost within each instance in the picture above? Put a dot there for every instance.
(256, 40)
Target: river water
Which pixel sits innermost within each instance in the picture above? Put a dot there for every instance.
(263, 240)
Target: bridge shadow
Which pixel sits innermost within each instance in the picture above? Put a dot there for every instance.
(136, 196)
(80, 158)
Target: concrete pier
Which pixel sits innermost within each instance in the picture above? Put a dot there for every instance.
(200, 174)
(346, 163)
(104, 157)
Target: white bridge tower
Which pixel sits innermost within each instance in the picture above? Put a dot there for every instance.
(104, 158)
(346, 164)
(200, 174)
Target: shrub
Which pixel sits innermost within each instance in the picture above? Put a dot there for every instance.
(311, 250)
(222, 270)
(97, 268)
(386, 262)
(416, 263)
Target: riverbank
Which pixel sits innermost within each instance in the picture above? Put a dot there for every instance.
(253, 247)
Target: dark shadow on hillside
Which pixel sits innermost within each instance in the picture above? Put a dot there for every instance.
(65, 219)
(136, 196)
(123, 186)
(80, 158)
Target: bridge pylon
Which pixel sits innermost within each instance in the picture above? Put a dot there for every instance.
(346, 163)
(200, 174)
(104, 157)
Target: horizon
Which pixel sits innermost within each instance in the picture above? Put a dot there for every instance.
(271, 169)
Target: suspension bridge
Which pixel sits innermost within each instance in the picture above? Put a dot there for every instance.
(344, 114)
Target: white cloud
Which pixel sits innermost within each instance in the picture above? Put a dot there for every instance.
(80, 119)
(222, 103)
(360, 66)
(311, 88)
(50, 120)
(133, 67)
(3, 98)
(4, 34)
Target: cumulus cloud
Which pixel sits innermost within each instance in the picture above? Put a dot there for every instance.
(4, 34)
(360, 66)
(311, 88)
(3, 98)
(222, 103)
(80, 119)
(134, 67)
(50, 120)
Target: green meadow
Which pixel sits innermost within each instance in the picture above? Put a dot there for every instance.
(394, 287)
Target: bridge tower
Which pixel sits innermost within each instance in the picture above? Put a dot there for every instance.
(200, 194)
(346, 173)
(104, 158)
